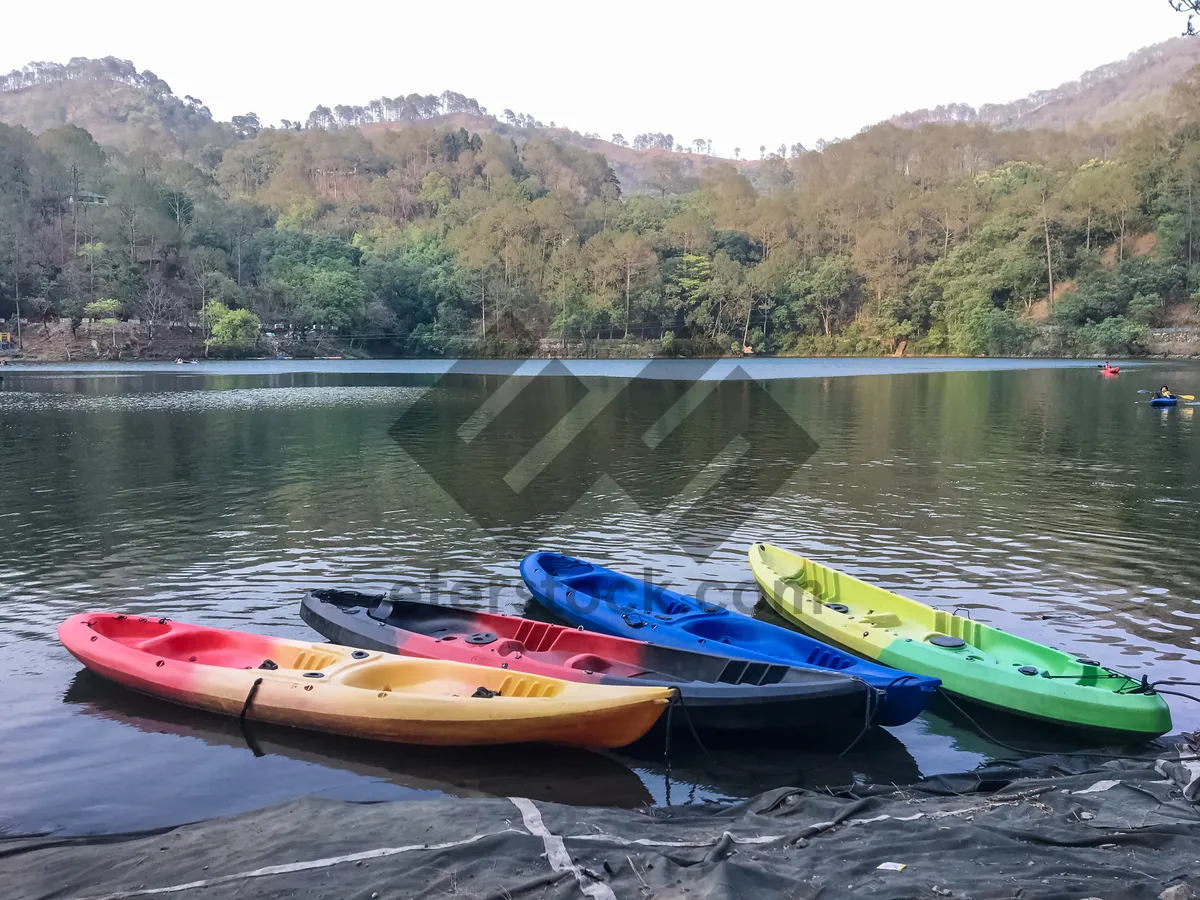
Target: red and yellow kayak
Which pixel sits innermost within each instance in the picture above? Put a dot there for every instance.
(326, 687)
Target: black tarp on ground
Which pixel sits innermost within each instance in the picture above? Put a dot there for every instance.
(1066, 827)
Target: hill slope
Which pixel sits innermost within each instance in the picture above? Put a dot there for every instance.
(638, 171)
(124, 108)
(118, 105)
(108, 97)
(1114, 92)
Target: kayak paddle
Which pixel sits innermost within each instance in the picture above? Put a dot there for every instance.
(1176, 396)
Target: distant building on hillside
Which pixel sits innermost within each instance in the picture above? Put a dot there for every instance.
(89, 198)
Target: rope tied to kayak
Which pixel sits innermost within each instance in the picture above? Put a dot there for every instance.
(1031, 751)
(873, 705)
(1154, 686)
(871, 709)
(250, 742)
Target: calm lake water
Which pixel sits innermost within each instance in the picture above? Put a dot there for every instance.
(1039, 495)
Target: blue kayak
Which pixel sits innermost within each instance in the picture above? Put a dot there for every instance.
(1164, 401)
(599, 599)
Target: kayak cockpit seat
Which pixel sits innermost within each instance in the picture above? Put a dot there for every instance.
(205, 647)
(558, 566)
(881, 620)
(623, 592)
(231, 649)
(347, 599)
(587, 662)
(741, 630)
(128, 630)
(382, 611)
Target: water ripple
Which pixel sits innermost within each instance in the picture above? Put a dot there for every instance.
(1042, 501)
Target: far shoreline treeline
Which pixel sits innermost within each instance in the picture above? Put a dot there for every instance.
(432, 239)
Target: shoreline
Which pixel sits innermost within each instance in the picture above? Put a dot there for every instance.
(132, 342)
(9, 359)
(708, 369)
(1063, 825)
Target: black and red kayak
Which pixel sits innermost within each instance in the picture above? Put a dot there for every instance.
(718, 694)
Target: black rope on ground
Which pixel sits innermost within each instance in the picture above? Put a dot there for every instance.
(983, 731)
(250, 742)
(1026, 751)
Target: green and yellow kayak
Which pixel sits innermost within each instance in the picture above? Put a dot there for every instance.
(974, 660)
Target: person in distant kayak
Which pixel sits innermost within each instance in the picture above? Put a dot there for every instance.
(1165, 391)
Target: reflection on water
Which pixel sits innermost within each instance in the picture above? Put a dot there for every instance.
(546, 773)
(1046, 501)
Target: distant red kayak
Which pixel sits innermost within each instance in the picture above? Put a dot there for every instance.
(1110, 370)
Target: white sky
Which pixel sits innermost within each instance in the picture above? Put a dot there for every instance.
(739, 74)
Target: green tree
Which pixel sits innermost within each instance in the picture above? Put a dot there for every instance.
(93, 252)
(338, 297)
(829, 290)
(634, 257)
(436, 190)
(237, 330)
(1117, 201)
(105, 313)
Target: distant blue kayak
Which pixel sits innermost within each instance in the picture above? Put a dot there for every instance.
(599, 599)
(1164, 401)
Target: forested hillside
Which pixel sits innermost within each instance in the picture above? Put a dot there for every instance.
(128, 110)
(1116, 92)
(111, 99)
(413, 233)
